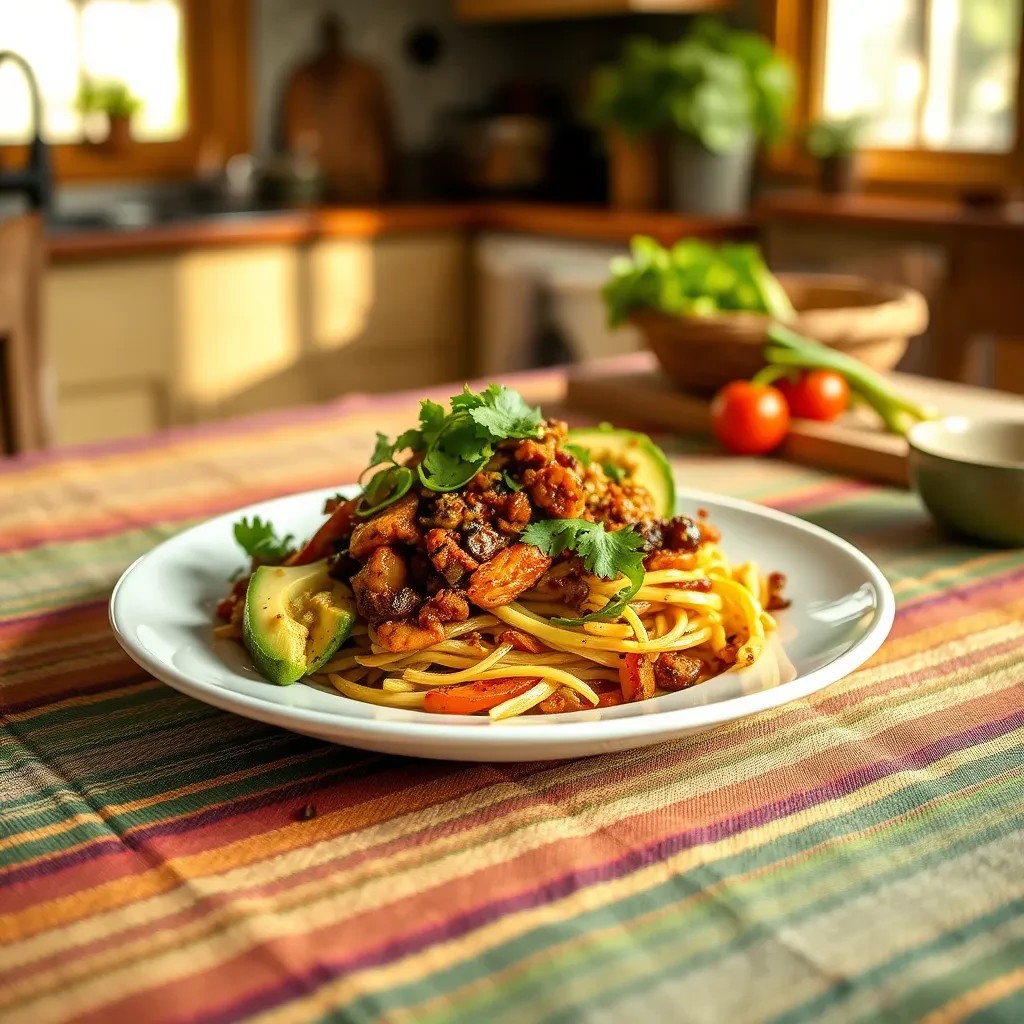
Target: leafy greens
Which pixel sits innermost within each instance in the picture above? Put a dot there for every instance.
(693, 278)
(258, 539)
(454, 445)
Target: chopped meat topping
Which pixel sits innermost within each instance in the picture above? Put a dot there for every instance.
(394, 525)
(556, 491)
(483, 542)
(676, 671)
(448, 557)
(776, 599)
(507, 575)
(401, 637)
(444, 606)
(562, 700)
(380, 588)
(521, 641)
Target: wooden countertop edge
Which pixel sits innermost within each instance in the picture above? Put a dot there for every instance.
(303, 226)
(927, 215)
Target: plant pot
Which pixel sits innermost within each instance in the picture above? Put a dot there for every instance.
(705, 182)
(839, 175)
(634, 171)
(119, 135)
(871, 321)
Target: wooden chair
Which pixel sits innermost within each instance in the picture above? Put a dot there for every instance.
(26, 405)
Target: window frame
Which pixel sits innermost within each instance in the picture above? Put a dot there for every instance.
(217, 61)
(798, 28)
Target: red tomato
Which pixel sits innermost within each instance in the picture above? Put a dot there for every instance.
(749, 419)
(816, 395)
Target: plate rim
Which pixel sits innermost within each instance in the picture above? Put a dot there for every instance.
(655, 726)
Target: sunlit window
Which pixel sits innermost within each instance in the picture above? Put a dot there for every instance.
(137, 42)
(930, 74)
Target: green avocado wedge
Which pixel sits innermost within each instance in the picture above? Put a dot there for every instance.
(635, 453)
(296, 617)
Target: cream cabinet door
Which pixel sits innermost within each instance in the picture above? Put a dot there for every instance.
(111, 326)
(239, 347)
(387, 313)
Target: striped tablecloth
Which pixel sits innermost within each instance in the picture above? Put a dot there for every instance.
(857, 856)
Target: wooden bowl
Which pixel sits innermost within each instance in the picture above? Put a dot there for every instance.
(869, 320)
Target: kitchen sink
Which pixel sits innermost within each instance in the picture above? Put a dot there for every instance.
(133, 215)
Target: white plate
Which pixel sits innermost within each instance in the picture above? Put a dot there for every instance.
(162, 611)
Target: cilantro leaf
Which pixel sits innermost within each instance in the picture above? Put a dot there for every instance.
(432, 417)
(409, 439)
(581, 453)
(605, 553)
(613, 472)
(456, 445)
(383, 450)
(258, 539)
(505, 413)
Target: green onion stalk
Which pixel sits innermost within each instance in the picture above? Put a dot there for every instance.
(788, 351)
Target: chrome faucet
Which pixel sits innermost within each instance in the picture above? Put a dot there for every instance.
(34, 179)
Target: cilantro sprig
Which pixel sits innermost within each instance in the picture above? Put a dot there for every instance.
(454, 445)
(605, 553)
(258, 539)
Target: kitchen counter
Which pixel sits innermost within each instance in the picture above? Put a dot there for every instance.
(923, 215)
(589, 223)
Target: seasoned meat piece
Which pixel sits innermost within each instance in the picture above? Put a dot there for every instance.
(401, 637)
(521, 641)
(683, 534)
(517, 513)
(572, 588)
(380, 588)
(448, 557)
(616, 504)
(447, 511)
(444, 606)
(776, 599)
(483, 542)
(395, 525)
(676, 671)
(561, 701)
(556, 491)
(708, 534)
(653, 533)
(507, 575)
(534, 454)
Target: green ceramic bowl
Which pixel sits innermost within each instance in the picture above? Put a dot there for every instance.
(970, 475)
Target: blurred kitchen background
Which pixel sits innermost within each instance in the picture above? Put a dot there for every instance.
(250, 204)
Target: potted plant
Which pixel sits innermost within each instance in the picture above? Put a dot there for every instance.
(834, 143)
(728, 92)
(628, 102)
(116, 100)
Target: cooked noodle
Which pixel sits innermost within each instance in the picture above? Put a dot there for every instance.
(668, 615)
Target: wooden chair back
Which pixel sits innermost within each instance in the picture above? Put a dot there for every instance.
(26, 406)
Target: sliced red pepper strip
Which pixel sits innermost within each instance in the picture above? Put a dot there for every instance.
(480, 695)
(321, 544)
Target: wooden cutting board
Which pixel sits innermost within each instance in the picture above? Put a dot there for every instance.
(853, 445)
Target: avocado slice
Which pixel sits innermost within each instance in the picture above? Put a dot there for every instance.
(643, 461)
(296, 617)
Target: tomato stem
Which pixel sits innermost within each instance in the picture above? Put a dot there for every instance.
(770, 374)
